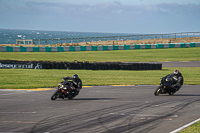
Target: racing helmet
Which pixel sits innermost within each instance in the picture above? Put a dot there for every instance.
(176, 72)
(75, 77)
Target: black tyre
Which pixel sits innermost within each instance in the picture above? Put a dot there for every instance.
(55, 95)
(171, 92)
(158, 91)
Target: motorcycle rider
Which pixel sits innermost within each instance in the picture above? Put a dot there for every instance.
(77, 83)
(178, 78)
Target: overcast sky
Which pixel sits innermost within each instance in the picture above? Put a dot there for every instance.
(113, 16)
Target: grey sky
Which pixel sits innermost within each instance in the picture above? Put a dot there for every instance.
(116, 16)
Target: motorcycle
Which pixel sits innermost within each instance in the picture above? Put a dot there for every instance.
(166, 86)
(65, 90)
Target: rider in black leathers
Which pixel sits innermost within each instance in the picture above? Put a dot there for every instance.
(77, 83)
(178, 78)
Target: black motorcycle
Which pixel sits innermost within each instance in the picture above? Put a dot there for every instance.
(166, 86)
(65, 90)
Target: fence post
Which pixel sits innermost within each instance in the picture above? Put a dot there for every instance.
(39, 41)
(52, 42)
(46, 42)
(137, 37)
(175, 35)
(193, 34)
(72, 40)
(58, 41)
(181, 35)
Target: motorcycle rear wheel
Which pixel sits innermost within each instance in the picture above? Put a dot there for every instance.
(55, 95)
(158, 91)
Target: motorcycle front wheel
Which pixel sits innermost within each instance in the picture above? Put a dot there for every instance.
(55, 95)
(158, 91)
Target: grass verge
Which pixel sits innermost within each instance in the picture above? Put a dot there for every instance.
(195, 128)
(34, 78)
(139, 55)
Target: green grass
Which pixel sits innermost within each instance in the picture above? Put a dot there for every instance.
(26, 78)
(195, 128)
(34, 78)
(140, 55)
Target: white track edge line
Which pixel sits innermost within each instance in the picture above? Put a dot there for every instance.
(185, 126)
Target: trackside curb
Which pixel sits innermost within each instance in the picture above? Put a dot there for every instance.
(45, 89)
(98, 48)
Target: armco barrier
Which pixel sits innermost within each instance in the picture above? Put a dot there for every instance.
(97, 48)
(6, 64)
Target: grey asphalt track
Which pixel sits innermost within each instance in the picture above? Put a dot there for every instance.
(99, 109)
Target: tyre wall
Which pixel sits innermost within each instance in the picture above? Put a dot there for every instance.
(79, 65)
